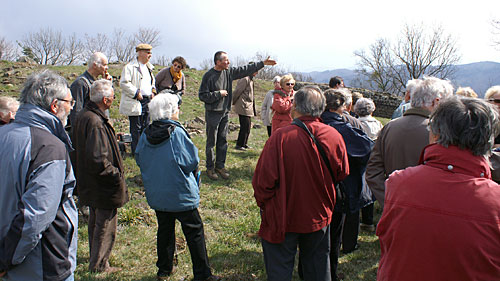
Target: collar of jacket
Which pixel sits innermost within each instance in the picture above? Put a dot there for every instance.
(92, 106)
(307, 119)
(455, 160)
(329, 117)
(34, 116)
(418, 111)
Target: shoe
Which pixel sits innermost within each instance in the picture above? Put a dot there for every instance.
(212, 174)
(222, 172)
(367, 227)
(242, 148)
(247, 147)
(111, 270)
(350, 250)
(164, 275)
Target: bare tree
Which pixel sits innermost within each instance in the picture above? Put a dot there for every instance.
(162, 60)
(495, 24)
(47, 45)
(122, 46)
(7, 50)
(416, 53)
(206, 64)
(74, 50)
(98, 43)
(149, 36)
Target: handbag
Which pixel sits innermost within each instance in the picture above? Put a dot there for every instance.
(339, 186)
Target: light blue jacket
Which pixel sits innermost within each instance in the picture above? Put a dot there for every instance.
(168, 159)
(38, 221)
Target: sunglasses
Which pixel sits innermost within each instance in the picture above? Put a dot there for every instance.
(494, 100)
(290, 84)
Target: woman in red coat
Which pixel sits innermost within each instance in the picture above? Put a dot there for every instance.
(441, 218)
(282, 103)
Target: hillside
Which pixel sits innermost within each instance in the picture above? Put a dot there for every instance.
(479, 76)
(231, 217)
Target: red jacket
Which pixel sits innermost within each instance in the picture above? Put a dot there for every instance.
(282, 106)
(292, 185)
(441, 219)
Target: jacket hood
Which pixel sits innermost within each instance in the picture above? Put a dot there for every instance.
(455, 160)
(35, 116)
(159, 131)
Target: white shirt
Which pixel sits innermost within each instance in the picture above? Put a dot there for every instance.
(146, 86)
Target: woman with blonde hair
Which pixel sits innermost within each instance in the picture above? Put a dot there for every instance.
(282, 103)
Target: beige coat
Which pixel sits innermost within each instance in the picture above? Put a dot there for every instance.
(130, 81)
(398, 146)
(243, 99)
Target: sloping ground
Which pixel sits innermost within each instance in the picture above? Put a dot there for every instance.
(227, 207)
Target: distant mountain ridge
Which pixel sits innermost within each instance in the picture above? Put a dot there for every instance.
(478, 75)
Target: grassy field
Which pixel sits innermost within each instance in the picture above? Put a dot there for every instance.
(227, 207)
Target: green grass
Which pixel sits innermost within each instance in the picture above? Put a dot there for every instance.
(230, 215)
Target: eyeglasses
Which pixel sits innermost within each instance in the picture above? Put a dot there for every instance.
(72, 102)
(178, 66)
(494, 100)
(290, 84)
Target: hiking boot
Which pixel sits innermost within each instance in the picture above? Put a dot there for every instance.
(240, 148)
(164, 275)
(222, 172)
(212, 174)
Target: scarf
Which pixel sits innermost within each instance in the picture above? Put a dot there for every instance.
(176, 76)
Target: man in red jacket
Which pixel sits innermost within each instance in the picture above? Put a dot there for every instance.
(441, 219)
(296, 193)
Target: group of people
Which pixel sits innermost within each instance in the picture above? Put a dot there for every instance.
(326, 161)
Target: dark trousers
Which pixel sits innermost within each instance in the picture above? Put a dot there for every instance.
(336, 239)
(350, 232)
(314, 251)
(245, 125)
(217, 129)
(269, 130)
(102, 234)
(192, 227)
(367, 214)
(139, 123)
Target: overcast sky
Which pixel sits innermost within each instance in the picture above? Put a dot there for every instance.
(303, 35)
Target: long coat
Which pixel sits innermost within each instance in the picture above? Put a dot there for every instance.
(243, 98)
(99, 164)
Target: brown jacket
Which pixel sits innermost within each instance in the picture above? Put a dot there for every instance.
(98, 163)
(243, 99)
(164, 81)
(398, 146)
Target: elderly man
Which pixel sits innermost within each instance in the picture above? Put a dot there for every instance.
(294, 188)
(38, 225)
(80, 88)
(169, 166)
(138, 88)
(401, 141)
(100, 173)
(411, 85)
(216, 92)
(441, 218)
(8, 109)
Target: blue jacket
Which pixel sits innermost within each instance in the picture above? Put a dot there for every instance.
(359, 147)
(168, 160)
(38, 222)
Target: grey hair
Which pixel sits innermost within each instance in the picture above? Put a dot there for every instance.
(335, 98)
(347, 95)
(364, 107)
(163, 106)
(42, 88)
(100, 89)
(276, 78)
(466, 92)
(411, 85)
(310, 101)
(429, 89)
(468, 123)
(96, 58)
(8, 104)
(491, 92)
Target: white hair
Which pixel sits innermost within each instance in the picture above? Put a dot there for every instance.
(491, 92)
(96, 58)
(364, 107)
(429, 89)
(8, 104)
(276, 78)
(411, 85)
(163, 106)
(100, 89)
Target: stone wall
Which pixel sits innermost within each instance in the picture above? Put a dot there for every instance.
(384, 102)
